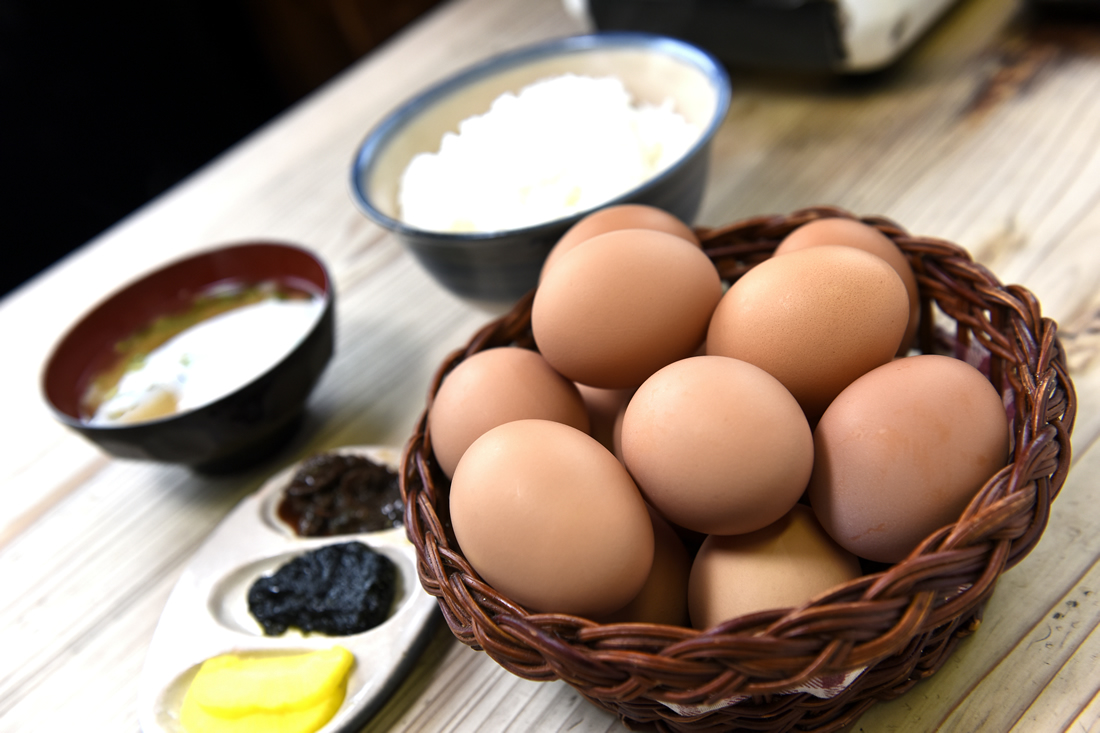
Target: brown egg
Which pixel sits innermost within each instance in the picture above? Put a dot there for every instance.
(663, 598)
(496, 386)
(782, 565)
(613, 218)
(852, 233)
(903, 450)
(617, 434)
(717, 445)
(605, 406)
(622, 305)
(814, 319)
(550, 519)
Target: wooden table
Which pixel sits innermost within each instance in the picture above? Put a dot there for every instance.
(987, 134)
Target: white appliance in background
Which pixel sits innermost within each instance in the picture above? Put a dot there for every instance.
(843, 36)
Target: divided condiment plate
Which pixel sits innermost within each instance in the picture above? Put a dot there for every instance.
(207, 612)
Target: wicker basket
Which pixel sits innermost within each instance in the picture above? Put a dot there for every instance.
(870, 639)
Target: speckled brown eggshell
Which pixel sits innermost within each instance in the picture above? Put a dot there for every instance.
(815, 319)
(852, 233)
(621, 305)
(550, 519)
(663, 598)
(493, 387)
(783, 565)
(613, 218)
(717, 445)
(903, 450)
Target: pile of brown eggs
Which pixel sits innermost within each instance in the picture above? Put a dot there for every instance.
(679, 453)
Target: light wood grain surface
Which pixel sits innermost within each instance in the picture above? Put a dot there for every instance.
(986, 134)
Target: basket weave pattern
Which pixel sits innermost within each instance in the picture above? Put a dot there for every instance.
(900, 623)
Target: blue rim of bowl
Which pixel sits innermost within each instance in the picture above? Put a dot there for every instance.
(377, 138)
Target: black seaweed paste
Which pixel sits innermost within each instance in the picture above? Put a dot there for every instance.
(336, 494)
(336, 590)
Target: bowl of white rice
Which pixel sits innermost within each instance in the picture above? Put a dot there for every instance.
(482, 173)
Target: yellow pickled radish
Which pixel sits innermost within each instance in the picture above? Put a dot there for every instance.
(235, 685)
(291, 693)
(196, 719)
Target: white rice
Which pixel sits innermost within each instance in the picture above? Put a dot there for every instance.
(562, 145)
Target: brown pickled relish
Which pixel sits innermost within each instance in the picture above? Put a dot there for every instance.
(336, 494)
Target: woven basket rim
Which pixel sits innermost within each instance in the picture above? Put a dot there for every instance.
(889, 625)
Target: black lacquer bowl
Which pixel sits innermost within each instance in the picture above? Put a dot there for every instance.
(233, 431)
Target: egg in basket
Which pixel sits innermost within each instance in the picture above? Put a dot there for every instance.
(758, 476)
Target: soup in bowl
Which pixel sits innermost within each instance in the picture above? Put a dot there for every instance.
(208, 361)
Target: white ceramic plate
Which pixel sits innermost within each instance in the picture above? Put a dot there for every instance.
(207, 612)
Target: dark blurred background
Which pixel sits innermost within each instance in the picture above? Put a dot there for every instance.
(108, 104)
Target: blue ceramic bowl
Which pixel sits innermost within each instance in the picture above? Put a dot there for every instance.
(500, 266)
(233, 431)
